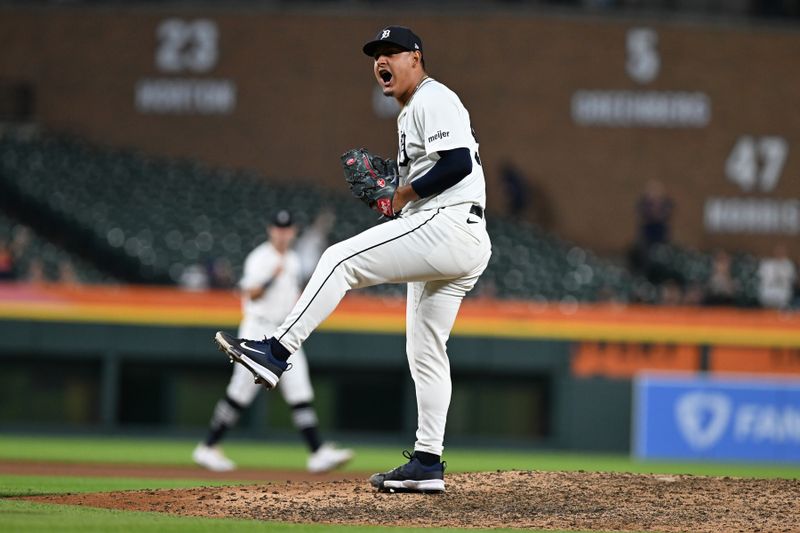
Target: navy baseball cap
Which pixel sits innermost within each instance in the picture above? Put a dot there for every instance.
(397, 35)
(282, 219)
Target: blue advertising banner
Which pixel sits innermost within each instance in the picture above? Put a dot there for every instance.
(713, 418)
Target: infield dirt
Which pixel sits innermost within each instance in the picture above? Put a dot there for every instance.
(519, 499)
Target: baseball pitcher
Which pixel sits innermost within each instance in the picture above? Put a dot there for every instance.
(434, 240)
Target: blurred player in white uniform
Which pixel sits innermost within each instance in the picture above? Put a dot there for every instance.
(270, 286)
(438, 246)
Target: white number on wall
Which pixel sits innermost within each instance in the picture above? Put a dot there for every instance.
(757, 162)
(187, 45)
(643, 59)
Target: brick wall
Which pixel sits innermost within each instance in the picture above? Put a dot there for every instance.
(303, 94)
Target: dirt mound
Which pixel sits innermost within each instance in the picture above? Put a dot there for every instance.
(544, 500)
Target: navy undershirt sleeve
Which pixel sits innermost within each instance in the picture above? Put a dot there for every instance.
(452, 167)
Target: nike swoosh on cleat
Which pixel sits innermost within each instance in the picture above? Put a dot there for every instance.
(246, 347)
(472, 221)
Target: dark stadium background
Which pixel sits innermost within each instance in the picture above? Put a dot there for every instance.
(141, 142)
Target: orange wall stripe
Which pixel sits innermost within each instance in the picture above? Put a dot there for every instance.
(364, 314)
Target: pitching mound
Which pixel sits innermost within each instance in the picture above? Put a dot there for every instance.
(544, 500)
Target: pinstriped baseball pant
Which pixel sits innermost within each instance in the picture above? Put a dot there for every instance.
(440, 254)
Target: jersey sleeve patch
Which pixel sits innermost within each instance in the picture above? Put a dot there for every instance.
(445, 126)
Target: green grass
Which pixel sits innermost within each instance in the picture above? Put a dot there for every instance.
(16, 515)
(29, 517)
(368, 459)
(13, 485)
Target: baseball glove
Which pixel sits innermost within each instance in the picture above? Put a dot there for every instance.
(372, 179)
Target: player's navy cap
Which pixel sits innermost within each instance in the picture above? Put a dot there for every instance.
(399, 35)
(282, 219)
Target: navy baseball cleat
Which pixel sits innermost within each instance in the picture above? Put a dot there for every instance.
(255, 356)
(411, 477)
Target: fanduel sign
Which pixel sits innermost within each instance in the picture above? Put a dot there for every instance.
(722, 419)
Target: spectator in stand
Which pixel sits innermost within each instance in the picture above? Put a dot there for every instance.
(721, 288)
(67, 274)
(671, 292)
(7, 267)
(35, 272)
(516, 189)
(20, 241)
(194, 278)
(654, 212)
(220, 273)
(694, 294)
(526, 199)
(777, 276)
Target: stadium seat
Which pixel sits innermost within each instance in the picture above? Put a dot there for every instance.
(161, 215)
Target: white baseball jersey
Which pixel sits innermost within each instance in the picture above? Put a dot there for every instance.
(280, 297)
(434, 119)
(439, 247)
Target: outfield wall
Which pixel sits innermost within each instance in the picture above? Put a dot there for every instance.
(119, 359)
(589, 109)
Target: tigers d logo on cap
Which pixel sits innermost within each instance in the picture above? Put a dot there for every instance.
(398, 35)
